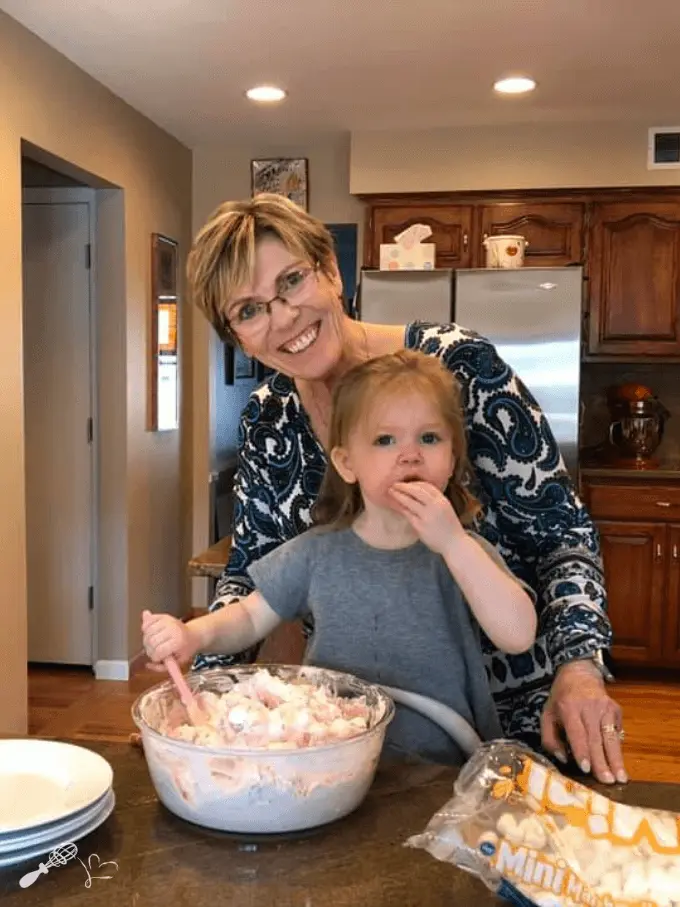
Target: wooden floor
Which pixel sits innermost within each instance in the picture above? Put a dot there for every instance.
(71, 703)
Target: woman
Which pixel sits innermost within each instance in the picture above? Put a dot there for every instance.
(264, 273)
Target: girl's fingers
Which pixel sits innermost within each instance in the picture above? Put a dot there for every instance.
(162, 646)
(406, 498)
(407, 504)
(165, 650)
(151, 621)
(419, 491)
(153, 640)
(161, 630)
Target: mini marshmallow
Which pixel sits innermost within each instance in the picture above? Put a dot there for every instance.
(508, 827)
(533, 833)
(263, 711)
(635, 880)
(611, 883)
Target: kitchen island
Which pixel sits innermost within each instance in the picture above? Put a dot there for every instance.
(359, 861)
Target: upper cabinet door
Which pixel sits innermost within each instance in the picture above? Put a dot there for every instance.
(554, 231)
(634, 269)
(451, 227)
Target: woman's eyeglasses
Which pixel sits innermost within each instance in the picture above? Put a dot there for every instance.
(252, 315)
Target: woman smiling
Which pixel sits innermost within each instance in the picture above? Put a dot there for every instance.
(264, 272)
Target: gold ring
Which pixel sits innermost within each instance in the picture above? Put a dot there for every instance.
(612, 729)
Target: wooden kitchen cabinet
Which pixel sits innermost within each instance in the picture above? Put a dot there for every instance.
(673, 621)
(634, 270)
(628, 241)
(633, 555)
(639, 525)
(554, 231)
(451, 227)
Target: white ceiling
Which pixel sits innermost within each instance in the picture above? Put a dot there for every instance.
(369, 64)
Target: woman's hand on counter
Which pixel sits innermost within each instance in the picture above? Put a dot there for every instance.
(591, 719)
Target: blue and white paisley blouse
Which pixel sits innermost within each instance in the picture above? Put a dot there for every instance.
(530, 511)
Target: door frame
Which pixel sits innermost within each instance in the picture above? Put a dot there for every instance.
(88, 196)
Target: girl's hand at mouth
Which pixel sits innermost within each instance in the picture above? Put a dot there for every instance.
(429, 512)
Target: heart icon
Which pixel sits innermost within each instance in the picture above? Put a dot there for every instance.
(100, 865)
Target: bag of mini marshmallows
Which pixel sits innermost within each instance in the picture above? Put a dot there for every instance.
(538, 838)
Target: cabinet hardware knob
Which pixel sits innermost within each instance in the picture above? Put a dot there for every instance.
(465, 241)
(663, 503)
(676, 554)
(659, 551)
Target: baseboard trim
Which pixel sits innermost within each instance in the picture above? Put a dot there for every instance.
(118, 669)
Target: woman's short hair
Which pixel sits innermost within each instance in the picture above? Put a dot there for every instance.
(222, 257)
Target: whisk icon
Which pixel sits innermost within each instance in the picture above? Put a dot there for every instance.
(59, 857)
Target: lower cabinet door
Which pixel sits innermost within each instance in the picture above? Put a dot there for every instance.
(635, 557)
(671, 629)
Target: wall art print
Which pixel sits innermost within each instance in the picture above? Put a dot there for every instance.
(284, 176)
(163, 346)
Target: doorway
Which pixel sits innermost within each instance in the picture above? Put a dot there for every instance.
(59, 401)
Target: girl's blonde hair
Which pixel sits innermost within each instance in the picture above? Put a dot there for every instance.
(404, 372)
(222, 257)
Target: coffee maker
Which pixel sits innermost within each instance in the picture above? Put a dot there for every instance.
(637, 426)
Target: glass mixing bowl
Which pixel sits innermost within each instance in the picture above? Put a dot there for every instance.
(259, 791)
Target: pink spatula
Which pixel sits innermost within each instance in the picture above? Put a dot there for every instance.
(187, 698)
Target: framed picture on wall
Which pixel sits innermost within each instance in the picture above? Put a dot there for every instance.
(345, 241)
(244, 366)
(164, 350)
(237, 365)
(284, 176)
(164, 267)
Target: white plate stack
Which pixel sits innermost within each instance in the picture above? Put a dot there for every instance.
(51, 794)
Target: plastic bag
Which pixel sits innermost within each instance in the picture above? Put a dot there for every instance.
(536, 837)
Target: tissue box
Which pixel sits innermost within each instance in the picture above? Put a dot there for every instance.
(395, 257)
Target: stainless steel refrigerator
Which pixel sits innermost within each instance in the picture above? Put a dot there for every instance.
(531, 315)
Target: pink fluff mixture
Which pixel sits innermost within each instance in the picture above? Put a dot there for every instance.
(265, 712)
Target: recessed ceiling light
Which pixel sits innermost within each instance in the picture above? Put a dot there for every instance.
(514, 85)
(266, 94)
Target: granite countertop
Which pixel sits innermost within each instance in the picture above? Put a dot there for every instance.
(663, 473)
(666, 468)
(359, 861)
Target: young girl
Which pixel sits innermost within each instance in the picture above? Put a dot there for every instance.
(397, 587)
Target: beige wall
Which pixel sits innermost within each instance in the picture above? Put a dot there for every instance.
(221, 173)
(505, 157)
(48, 102)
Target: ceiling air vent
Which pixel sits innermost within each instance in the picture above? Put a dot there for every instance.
(663, 148)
